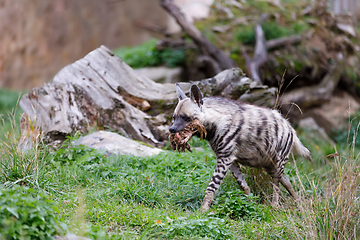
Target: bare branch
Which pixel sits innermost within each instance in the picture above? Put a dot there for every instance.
(207, 48)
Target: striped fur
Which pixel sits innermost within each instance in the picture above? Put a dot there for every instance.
(240, 133)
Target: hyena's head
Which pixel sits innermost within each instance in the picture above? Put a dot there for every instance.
(187, 109)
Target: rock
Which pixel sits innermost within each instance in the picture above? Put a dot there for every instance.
(336, 112)
(310, 123)
(116, 144)
(70, 236)
(161, 74)
(347, 28)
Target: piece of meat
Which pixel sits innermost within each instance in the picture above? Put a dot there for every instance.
(179, 141)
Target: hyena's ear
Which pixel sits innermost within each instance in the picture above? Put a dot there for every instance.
(196, 95)
(181, 95)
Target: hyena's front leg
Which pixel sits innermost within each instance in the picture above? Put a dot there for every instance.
(235, 169)
(222, 165)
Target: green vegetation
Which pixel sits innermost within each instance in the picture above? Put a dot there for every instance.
(26, 214)
(146, 55)
(9, 114)
(127, 197)
(348, 137)
(239, 206)
(272, 30)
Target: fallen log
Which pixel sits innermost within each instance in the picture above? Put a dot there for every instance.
(234, 84)
(102, 91)
(89, 93)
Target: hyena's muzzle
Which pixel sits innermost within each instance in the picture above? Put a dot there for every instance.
(179, 124)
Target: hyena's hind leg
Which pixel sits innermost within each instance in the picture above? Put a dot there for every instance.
(277, 173)
(235, 169)
(286, 183)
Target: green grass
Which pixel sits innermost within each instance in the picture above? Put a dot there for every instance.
(158, 197)
(9, 113)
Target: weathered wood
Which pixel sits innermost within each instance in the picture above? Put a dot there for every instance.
(279, 42)
(88, 93)
(207, 48)
(234, 84)
(260, 55)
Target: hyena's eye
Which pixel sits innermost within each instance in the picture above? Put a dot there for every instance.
(186, 118)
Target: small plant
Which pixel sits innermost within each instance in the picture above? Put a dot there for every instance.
(25, 214)
(19, 166)
(172, 57)
(237, 205)
(79, 154)
(202, 228)
(271, 30)
(349, 136)
(147, 55)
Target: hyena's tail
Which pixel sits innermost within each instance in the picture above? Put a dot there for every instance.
(298, 148)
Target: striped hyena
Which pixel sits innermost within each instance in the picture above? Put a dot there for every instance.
(240, 133)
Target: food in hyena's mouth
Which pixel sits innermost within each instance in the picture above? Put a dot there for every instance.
(179, 140)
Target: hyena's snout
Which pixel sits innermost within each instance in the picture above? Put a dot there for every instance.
(172, 129)
(178, 126)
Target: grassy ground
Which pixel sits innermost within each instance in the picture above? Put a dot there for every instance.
(9, 112)
(123, 197)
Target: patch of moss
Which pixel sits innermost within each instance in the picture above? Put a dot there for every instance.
(147, 54)
(272, 30)
(245, 34)
(351, 74)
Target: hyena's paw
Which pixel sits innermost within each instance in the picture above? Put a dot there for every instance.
(209, 197)
(246, 190)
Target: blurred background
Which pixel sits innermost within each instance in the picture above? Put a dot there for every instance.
(40, 37)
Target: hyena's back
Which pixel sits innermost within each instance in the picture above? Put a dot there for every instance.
(257, 136)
